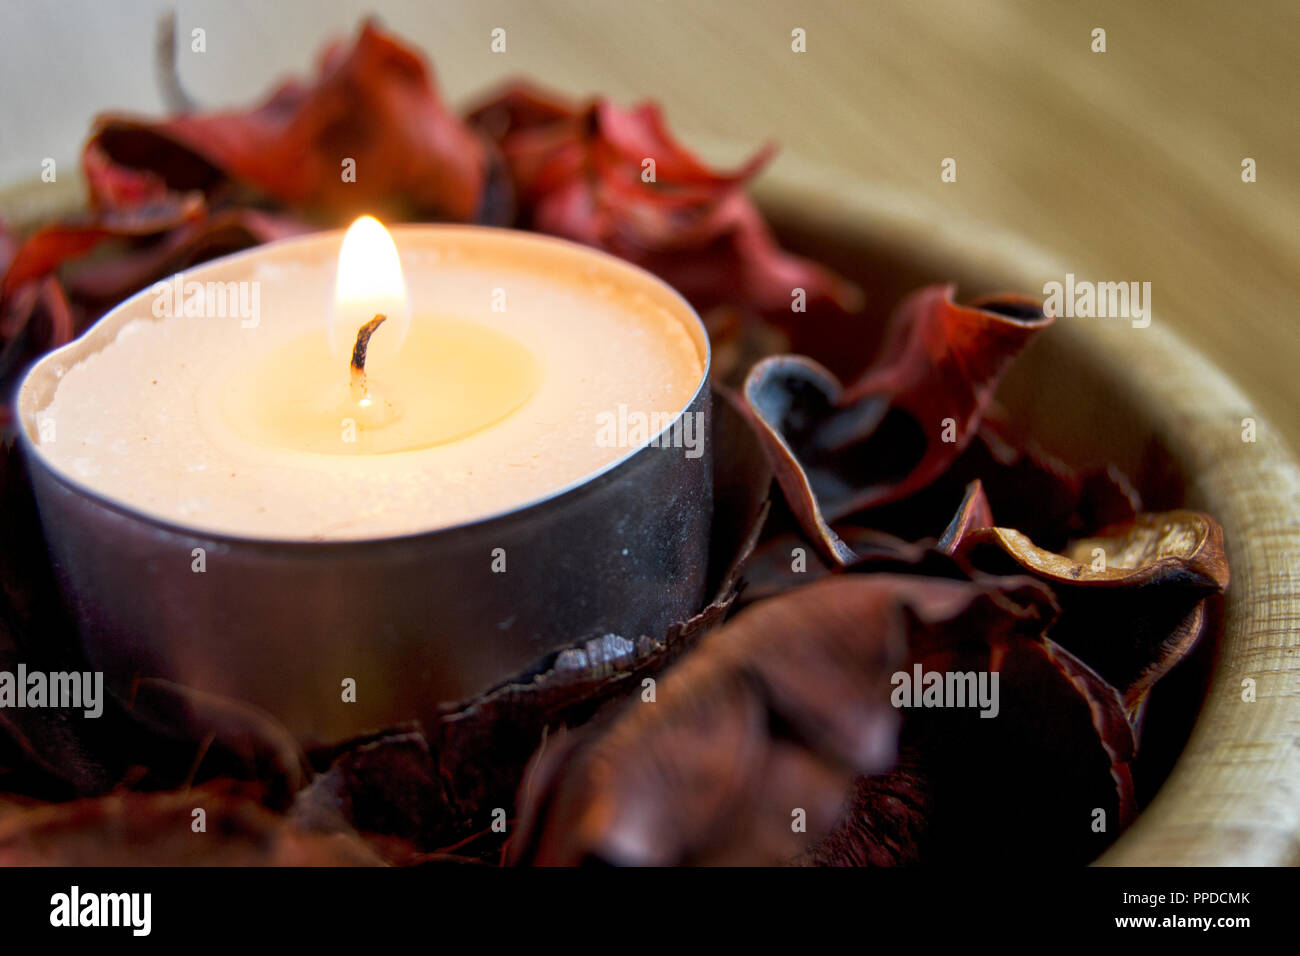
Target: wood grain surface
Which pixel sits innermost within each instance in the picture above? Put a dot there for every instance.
(1125, 163)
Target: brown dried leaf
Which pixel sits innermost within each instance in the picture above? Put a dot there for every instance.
(787, 561)
(1176, 547)
(387, 789)
(1027, 488)
(837, 450)
(252, 744)
(1137, 616)
(110, 280)
(43, 251)
(1023, 787)
(774, 712)
(973, 513)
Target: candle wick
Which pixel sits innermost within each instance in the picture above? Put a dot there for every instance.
(359, 355)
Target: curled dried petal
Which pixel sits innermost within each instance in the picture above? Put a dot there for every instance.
(837, 450)
(218, 233)
(774, 713)
(1132, 598)
(1025, 785)
(579, 170)
(973, 514)
(1175, 547)
(49, 247)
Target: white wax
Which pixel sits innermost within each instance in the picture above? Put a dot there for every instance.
(128, 418)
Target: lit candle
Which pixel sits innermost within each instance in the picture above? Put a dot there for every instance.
(367, 381)
(231, 507)
(482, 390)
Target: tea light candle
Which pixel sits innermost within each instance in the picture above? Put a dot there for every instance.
(230, 507)
(226, 402)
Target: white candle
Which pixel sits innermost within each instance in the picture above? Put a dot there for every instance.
(487, 397)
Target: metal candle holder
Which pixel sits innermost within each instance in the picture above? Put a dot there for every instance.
(416, 620)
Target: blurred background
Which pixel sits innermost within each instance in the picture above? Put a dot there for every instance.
(1127, 163)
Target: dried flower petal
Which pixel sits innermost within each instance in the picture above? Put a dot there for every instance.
(771, 715)
(1026, 785)
(1026, 487)
(837, 450)
(1129, 597)
(218, 233)
(787, 561)
(374, 103)
(580, 172)
(1182, 547)
(973, 514)
(884, 822)
(50, 246)
(1048, 779)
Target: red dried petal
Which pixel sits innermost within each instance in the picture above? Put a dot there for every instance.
(838, 450)
(49, 247)
(578, 173)
(219, 233)
(375, 103)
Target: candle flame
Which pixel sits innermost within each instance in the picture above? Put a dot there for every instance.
(369, 283)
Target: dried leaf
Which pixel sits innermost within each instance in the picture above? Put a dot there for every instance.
(1024, 787)
(788, 561)
(579, 171)
(1026, 487)
(1183, 548)
(386, 788)
(242, 739)
(838, 450)
(50, 246)
(108, 281)
(773, 714)
(1131, 597)
(973, 514)
(374, 103)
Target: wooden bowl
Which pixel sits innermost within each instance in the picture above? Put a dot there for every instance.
(1098, 389)
(1102, 390)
